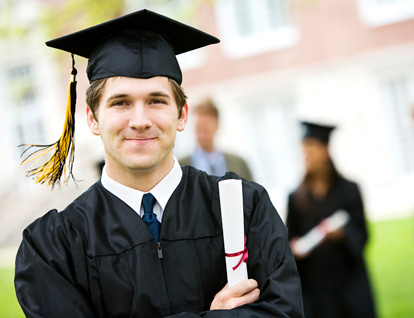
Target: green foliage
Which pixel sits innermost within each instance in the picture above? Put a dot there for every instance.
(73, 15)
(10, 24)
(389, 255)
(57, 18)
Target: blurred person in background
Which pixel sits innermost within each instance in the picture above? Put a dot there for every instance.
(206, 157)
(334, 279)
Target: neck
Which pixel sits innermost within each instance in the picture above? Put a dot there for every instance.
(141, 179)
(207, 148)
(319, 187)
(319, 182)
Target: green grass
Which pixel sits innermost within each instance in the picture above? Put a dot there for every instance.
(389, 256)
(9, 307)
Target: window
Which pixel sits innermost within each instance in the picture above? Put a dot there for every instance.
(252, 27)
(26, 117)
(398, 97)
(272, 140)
(376, 13)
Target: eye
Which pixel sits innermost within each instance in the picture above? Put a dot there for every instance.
(157, 101)
(119, 103)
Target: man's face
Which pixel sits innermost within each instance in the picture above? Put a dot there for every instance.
(137, 120)
(206, 126)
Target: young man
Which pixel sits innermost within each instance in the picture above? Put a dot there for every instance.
(98, 257)
(206, 157)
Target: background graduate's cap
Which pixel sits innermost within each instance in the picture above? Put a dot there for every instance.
(142, 44)
(316, 131)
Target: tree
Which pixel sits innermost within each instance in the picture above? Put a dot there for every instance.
(59, 17)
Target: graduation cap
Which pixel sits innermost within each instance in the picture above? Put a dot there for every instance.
(142, 44)
(317, 131)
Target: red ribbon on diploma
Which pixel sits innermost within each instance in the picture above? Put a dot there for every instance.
(323, 227)
(244, 253)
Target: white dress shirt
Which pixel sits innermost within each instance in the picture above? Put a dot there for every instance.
(132, 197)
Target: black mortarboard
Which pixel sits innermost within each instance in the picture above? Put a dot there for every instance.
(142, 44)
(317, 131)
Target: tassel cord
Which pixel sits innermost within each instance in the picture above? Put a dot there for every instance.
(61, 161)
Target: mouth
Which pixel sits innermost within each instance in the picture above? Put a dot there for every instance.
(141, 141)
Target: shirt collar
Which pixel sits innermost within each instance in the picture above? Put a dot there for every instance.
(200, 152)
(132, 197)
(165, 188)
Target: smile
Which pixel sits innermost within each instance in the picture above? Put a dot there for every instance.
(141, 140)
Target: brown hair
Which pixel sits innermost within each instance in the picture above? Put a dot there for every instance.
(207, 106)
(94, 93)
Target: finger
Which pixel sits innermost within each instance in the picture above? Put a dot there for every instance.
(239, 294)
(252, 296)
(248, 298)
(244, 287)
(225, 287)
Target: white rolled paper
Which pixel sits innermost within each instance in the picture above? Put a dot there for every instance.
(231, 204)
(317, 234)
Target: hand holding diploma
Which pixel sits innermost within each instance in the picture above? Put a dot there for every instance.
(329, 227)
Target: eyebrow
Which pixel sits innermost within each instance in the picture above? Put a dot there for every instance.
(160, 94)
(117, 96)
(152, 94)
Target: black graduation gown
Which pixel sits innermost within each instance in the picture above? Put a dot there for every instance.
(97, 258)
(334, 278)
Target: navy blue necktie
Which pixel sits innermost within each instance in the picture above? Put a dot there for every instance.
(149, 216)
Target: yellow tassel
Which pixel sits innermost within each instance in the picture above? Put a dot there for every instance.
(61, 162)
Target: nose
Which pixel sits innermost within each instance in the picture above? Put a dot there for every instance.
(140, 118)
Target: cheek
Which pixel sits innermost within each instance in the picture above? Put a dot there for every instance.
(114, 121)
(167, 121)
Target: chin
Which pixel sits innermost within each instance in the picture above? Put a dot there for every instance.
(143, 165)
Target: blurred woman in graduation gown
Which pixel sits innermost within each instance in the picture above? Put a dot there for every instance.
(334, 278)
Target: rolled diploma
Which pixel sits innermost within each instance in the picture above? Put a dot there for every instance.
(231, 204)
(317, 234)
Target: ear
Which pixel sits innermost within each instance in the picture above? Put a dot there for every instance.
(92, 123)
(182, 121)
